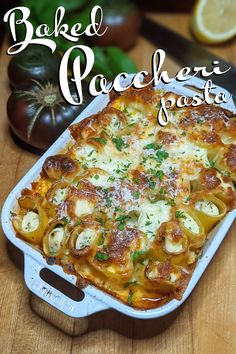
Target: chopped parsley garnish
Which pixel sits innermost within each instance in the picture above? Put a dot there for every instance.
(126, 112)
(78, 222)
(162, 191)
(136, 194)
(159, 174)
(101, 256)
(179, 214)
(101, 221)
(153, 146)
(187, 199)
(136, 254)
(131, 282)
(101, 140)
(91, 152)
(152, 184)
(119, 143)
(101, 241)
(111, 178)
(136, 180)
(106, 248)
(170, 202)
(227, 173)
(200, 120)
(147, 223)
(200, 255)
(118, 209)
(107, 197)
(105, 132)
(121, 221)
(65, 220)
(212, 163)
(129, 298)
(161, 155)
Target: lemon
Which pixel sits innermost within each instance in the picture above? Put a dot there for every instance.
(214, 21)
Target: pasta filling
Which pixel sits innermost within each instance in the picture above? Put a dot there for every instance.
(190, 224)
(55, 238)
(85, 238)
(173, 247)
(207, 207)
(59, 196)
(152, 216)
(30, 222)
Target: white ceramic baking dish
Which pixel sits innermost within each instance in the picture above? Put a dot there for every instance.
(94, 299)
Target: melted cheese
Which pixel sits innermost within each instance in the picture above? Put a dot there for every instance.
(100, 180)
(115, 124)
(83, 207)
(174, 277)
(152, 216)
(186, 150)
(109, 159)
(30, 221)
(207, 207)
(153, 274)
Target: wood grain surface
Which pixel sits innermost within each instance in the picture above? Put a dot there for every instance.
(205, 324)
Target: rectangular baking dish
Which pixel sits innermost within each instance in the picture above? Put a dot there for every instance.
(94, 299)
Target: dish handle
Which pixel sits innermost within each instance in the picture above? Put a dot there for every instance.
(87, 306)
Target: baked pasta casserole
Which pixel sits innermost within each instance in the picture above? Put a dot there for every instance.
(128, 204)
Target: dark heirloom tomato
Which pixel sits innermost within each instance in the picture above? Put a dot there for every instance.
(38, 114)
(123, 21)
(35, 62)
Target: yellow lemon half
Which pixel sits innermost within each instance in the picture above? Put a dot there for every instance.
(214, 21)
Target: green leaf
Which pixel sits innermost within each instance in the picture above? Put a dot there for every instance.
(70, 5)
(20, 29)
(43, 5)
(83, 16)
(119, 61)
(101, 64)
(63, 45)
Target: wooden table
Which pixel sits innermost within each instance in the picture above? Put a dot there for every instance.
(205, 324)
